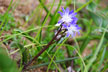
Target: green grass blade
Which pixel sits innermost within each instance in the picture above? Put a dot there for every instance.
(97, 51)
(56, 53)
(45, 8)
(102, 59)
(83, 6)
(5, 15)
(59, 61)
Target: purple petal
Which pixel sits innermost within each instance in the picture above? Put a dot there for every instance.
(71, 11)
(78, 33)
(78, 28)
(74, 21)
(76, 25)
(72, 35)
(73, 15)
(69, 25)
(60, 21)
(67, 10)
(67, 35)
(63, 9)
(64, 25)
(60, 13)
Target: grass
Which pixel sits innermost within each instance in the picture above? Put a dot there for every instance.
(30, 41)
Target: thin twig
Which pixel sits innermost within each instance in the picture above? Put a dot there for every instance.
(45, 47)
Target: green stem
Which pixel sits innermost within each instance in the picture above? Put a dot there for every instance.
(45, 8)
(11, 36)
(83, 6)
(56, 53)
(53, 61)
(97, 51)
(5, 17)
(78, 52)
(59, 61)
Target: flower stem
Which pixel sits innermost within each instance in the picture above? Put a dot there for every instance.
(45, 47)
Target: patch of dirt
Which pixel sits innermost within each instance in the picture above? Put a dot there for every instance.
(20, 8)
(24, 6)
(104, 3)
(82, 1)
(87, 50)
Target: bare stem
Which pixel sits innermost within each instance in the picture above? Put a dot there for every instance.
(45, 47)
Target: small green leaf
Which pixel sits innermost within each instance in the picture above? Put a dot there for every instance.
(6, 64)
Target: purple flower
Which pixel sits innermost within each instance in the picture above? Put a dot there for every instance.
(68, 22)
(67, 16)
(72, 30)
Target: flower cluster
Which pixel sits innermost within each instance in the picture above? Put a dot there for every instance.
(68, 22)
